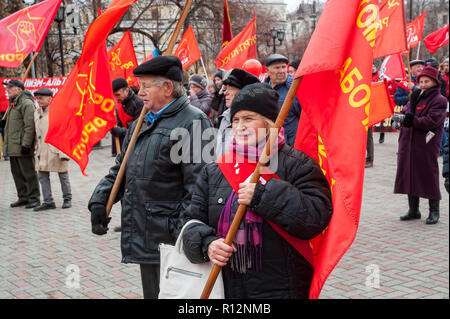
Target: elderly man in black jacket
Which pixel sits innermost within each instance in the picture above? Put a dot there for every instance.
(158, 179)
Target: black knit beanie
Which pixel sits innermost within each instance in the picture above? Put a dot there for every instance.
(259, 98)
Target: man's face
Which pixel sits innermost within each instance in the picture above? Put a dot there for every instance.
(230, 93)
(277, 72)
(121, 94)
(445, 68)
(154, 97)
(13, 91)
(416, 69)
(43, 101)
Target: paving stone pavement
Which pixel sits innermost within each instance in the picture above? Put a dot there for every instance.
(43, 253)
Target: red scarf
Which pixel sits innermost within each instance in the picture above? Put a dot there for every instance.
(239, 171)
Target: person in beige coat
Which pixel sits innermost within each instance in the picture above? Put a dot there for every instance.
(48, 158)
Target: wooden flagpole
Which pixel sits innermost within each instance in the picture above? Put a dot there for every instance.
(116, 139)
(144, 111)
(254, 179)
(23, 79)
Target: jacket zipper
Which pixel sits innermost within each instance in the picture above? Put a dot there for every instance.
(184, 272)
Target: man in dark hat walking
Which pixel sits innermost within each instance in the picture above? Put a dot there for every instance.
(159, 175)
(280, 80)
(19, 143)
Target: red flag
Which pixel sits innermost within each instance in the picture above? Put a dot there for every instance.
(381, 105)
(339, 119)
(414, 30)
(122, 59)
(227, 33)
(390, 36)
(240, 49)
(187, 50)
(393, 67)
(437, 39)
(83, 110)
(24, 32)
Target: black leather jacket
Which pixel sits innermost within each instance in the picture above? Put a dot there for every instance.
(300, 202)
(155, 190)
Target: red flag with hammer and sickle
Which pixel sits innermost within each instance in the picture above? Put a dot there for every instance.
(82, 112)
(24, 32)
(122, 60)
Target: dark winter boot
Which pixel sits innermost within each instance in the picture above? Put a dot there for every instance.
(413, 212)
(434, 212)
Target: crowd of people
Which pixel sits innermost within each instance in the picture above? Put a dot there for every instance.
(158, 194)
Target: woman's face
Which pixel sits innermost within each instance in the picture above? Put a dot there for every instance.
(425, 83)
(248, 128)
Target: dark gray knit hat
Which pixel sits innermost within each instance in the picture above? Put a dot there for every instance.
(198, 80)
(259, 98)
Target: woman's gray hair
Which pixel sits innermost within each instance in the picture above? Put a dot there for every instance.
(178, 88)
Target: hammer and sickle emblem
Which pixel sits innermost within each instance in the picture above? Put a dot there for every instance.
(392, 3)
(115, 60)
(85, 88)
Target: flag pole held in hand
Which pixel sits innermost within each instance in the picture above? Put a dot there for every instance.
(273, 136)
(144, 111)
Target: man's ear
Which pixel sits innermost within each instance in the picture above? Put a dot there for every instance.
(168, 89)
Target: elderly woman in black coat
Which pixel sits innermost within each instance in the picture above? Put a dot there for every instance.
(419, 145)
(270, 256)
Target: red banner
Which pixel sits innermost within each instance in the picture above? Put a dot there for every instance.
(381, 105)
(122, 60)
(437, 39)
(24, 32)
(390, 36)
(414, 30)
(338, 121)
(187, 50)
(83, 111)
(32, 84)
(240, 49)
(392, 68)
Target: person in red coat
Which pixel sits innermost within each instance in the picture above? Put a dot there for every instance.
(419, 144)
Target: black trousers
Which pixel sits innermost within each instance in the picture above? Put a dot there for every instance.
(370, 147)
(25, 177)
(150, 280)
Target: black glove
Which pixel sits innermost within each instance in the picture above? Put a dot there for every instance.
(25, 150)
(116, 131)
(2, 123)
(409, 119)
(99, 221)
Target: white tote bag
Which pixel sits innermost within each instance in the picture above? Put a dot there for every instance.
(181, 279)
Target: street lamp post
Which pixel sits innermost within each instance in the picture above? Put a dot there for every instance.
(60, 15)
(275, 35)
